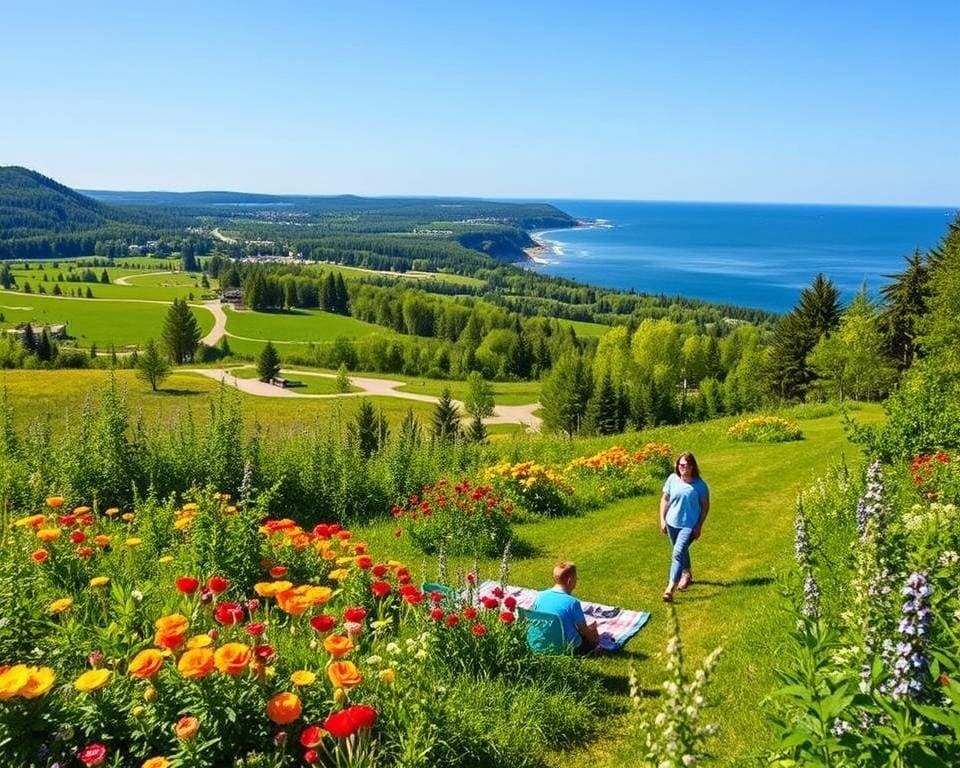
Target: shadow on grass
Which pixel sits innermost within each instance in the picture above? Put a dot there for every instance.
(752, 581)
(177, 392)
(521, 549)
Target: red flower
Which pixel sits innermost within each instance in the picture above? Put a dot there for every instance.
(322, 531)
(93, 754)
(347, 722)
(452, 620)
(278, 571)
(67, 520)
(470, 613)
(364, 562)
(380, 588)
(436, 597)
(497, 592)
(217, 584)
(436, 614)
(255, 628)
(78, 537)
(323, 622)
(40, 555)
(479, 630)
(489, 602)
(354, 614)
(379, 570)
(228, 613)
(264, 652)
(187, 584)
(510, 603)
(310, 757)
(360, 548)
(84, 552)
(311, 736)
(403, 576)
(506, 617)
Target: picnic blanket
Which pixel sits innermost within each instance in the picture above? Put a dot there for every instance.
(615, 625)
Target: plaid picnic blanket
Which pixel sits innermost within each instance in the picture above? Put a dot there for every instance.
(615, 625)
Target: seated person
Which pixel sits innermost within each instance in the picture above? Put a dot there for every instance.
(559, 601)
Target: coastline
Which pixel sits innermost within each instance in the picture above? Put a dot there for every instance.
(540, 252)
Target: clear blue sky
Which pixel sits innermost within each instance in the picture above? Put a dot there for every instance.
(848, 102)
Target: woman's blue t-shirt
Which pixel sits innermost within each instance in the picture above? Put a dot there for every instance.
(684, 509)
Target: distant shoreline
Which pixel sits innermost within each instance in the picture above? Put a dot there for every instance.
(538, 253)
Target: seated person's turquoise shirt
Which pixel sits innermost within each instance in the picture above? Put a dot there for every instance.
(567, 607)
(684, 508)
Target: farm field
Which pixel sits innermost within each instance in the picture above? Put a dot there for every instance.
(92, 321)
(735, 601)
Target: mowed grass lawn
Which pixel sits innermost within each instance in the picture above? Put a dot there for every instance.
(735, 602)
(93, 321)
(144, 284)
(504, 392)
(298, 325)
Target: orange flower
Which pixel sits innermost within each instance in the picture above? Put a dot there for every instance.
(31, 521)
(39, 682)
(284, 708)
(81, 510)
(196, 663)
(156, 762)
(232, 658)
(111, 512)
(338, 645)
(48, 534)
(146, 663)
(186, 727)
(170, 630)
(271, 588)
(40, 555)
(102, 540)
(55, 502)
(93, 680)
(127, 517)
(344, 674)
(13, 680)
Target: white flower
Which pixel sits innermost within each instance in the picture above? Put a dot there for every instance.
(137, 595)
(393, 648)
(374, 660)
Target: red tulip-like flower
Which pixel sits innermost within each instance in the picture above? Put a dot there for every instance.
(507, 617)
(323, 622)
(187, 584)
(311, 736)
(93, 754)
(364, 562)
(228, 613)
(452, 620)
(380, 570)
(255, 629)
(311, 757)
(470, 613)
(510, 603)
(354, 614)
(217, 584)
(380, 588)
(489, 602)
(479, 630)
(437, 614)
(278, 571)
(348, 721)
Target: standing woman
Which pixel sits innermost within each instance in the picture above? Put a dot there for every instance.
(683, 511)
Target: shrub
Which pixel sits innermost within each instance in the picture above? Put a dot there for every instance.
(459, 518)
(615, 473)
(765, 429)
(532, 488)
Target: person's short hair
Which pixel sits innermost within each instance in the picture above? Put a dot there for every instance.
(691, 462)
(564, 571)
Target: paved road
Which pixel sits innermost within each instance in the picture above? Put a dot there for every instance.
(126, 280)
(503, 414)
(219, 322)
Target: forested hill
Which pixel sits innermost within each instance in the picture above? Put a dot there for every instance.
(393, 210)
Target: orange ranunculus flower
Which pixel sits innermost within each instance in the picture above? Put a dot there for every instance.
(156, 762)
(93, 680)
(186, 727)
(196, 663)
(81, 510)
(146, 663)
(101, 540)
(55, 502)
(13, 680)
(319, 595)
(337, 645)
(48, 534)
(232, 658)
(40, 681)
(295, 600)
(284, 708)
(271, 588)
(111, 512)
(302, 677)
(127, 517)
(171, 630)
(61, 605)
(344, 674)
(30, 521)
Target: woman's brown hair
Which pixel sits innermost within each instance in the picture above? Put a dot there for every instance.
(691, 462)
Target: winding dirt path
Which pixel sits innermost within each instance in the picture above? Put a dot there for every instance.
(502, 414)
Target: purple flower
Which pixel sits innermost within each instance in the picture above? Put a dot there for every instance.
(871, 506)
(909, 661)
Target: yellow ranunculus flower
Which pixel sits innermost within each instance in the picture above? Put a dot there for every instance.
(166, 559)
(99, 581)
(93, 680)
(49, 534)
(387, 676)
(156, 762)
(199, 641)
(13, 680)
(302, 677)
(40, 681)
(134, 542)
(29, 521)
(338, 574)
(61, 605)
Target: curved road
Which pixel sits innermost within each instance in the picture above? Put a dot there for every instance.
(502, 414)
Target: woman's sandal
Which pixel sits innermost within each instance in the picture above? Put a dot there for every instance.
(667, 597)
(684, 583)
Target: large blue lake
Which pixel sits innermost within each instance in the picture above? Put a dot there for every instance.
(745, 254)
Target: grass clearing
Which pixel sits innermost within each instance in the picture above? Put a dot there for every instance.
(504, 392)
(93, 321)
(144, 283)
(297, 325)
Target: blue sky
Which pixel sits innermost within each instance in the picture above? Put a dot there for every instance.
(847, 102)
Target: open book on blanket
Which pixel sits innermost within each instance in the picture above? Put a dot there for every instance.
(615, 625)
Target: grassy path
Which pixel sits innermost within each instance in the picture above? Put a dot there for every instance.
(623, 558)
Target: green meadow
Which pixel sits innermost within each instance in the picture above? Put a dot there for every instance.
(297, 325)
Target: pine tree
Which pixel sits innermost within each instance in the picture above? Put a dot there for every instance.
(268, 362)
(342, 295)
(565, 393)
(906, 299)
(343, 380)
(104, 277)
(476, 430)
(181, 333)
(29, 338)
(369, 429)
(446, 417)
(152, 366)
(89, 293)
(45, 350)
(603, 409)
(328, 297)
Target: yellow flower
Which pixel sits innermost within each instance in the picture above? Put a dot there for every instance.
(387, 676)
(93, 680)
(13, 680)
(339, 574)
(199, 641)
(48, 534)
(134, 542)
(99, 581)
(182, 523)
(156, 762)
(111, 512)
(40, 681)
(302, 677)
(344, 560)
(61, 605)
(166, 559)
(30, 521)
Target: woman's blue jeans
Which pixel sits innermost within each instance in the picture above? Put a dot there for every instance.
(681, 538)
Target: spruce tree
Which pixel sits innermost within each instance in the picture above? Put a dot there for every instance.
(104, 277)
(29, 338)
(604, 408)
(476, 430)
(905, 299)
(328, 297)
(342, 295)
(268, 362)
(369, 429)
(181, 333)
(152, 365)
(45, 351)
(446, 417)
(565, 394)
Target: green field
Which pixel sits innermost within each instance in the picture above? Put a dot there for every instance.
(93, 321)
(144, 283)
(297, 325)
(586, 329)
(504, 392)
(310, 384)
(735, 601)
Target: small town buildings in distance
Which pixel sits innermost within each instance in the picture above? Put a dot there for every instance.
(56, 331)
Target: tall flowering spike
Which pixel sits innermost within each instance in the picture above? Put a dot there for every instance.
(505, 565)
(871, 505)
(811, 596)
(246, 485)
(909, 657)
(442, 565)
(801, 540)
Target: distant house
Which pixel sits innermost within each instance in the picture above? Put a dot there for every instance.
(56, 331)
(233, 297)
